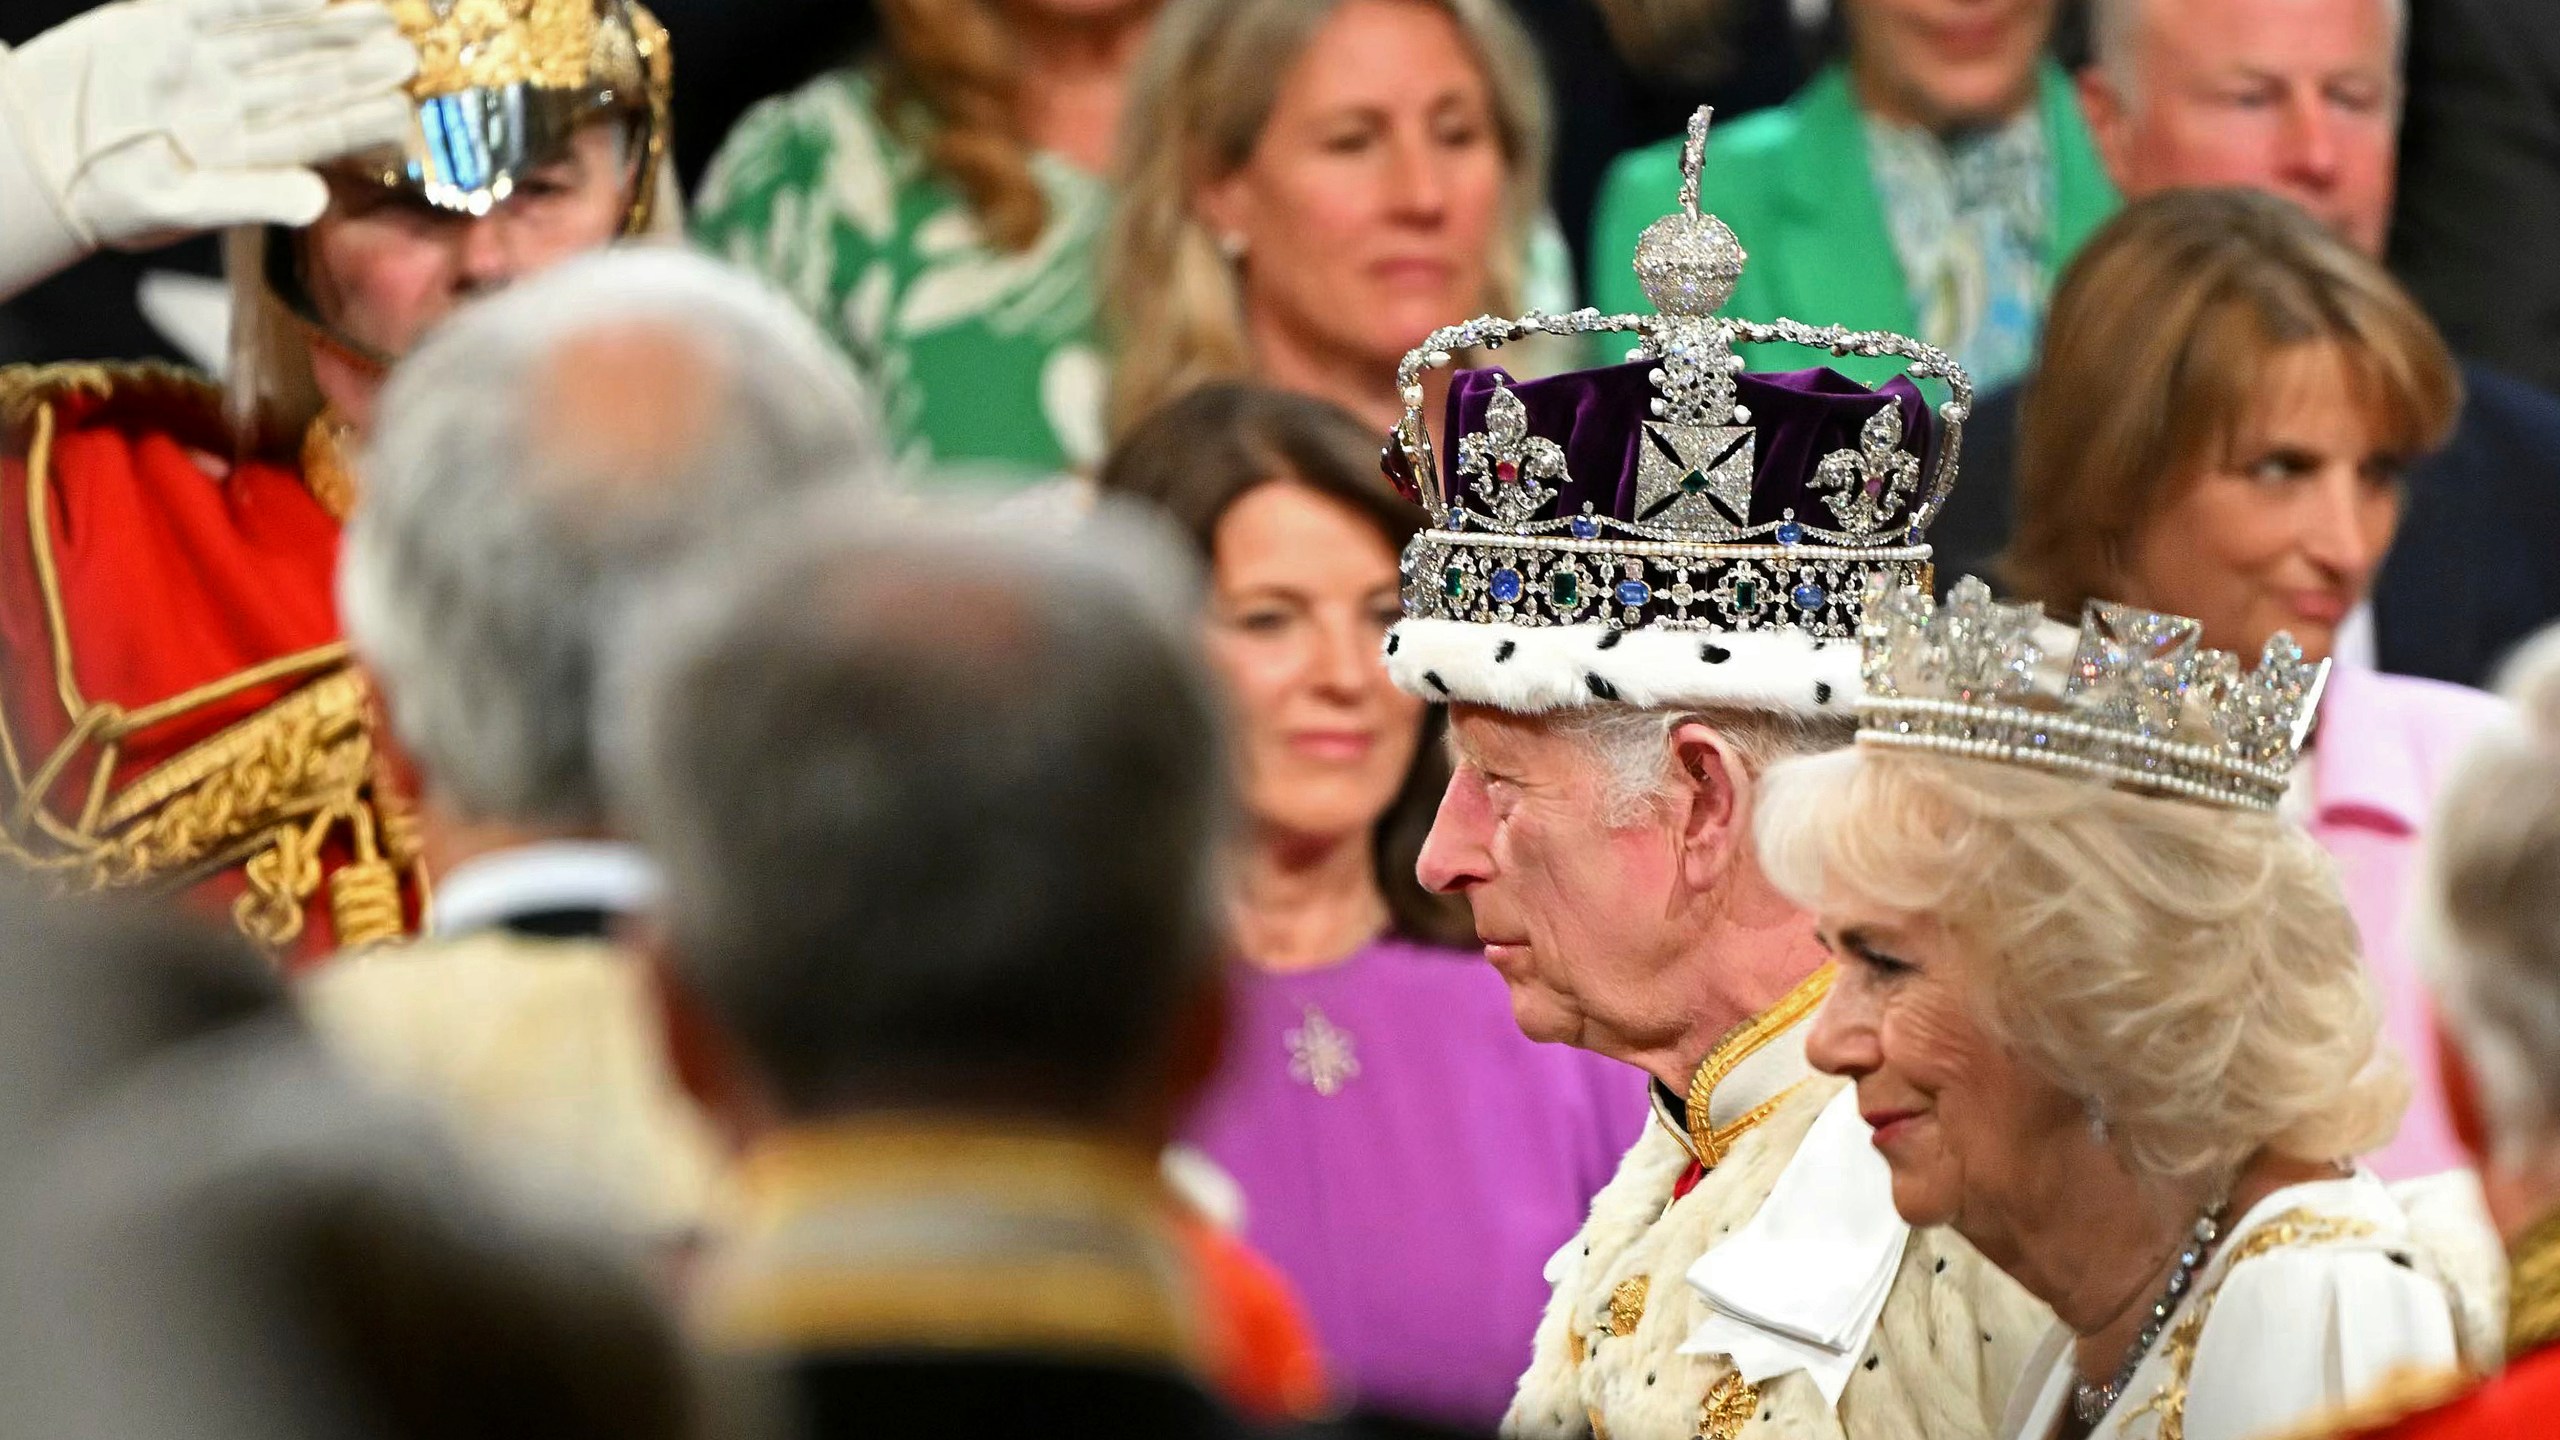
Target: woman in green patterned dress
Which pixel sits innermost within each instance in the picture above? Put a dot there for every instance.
(937, 210)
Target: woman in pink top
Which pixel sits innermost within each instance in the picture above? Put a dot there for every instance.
(2227, 399)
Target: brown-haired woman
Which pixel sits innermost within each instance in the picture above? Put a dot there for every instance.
(1406, 1156)
(2227, 398)
(937, 210)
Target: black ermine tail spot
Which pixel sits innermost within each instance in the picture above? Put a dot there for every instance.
(1432, 679)
(1821, 692)
(1600, 687)
(1611, 639)
(1714, 654)
(1504, 650)
(1393, 640)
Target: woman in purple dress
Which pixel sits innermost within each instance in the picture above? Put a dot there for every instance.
(1407, 1158)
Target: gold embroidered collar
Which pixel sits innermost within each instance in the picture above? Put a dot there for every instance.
(952, 1236)
(2533, 1288)
(1746, 1074)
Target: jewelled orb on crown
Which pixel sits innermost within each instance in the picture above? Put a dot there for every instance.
(2130, 697)
(1674, 530)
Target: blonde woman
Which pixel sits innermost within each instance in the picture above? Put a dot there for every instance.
(1310, 187)
(2105, 1012)
(937, 210)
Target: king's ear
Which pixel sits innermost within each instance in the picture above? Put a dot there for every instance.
(1711, 801)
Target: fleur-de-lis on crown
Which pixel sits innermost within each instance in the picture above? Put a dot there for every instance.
(1506, 463)
(1867, 487)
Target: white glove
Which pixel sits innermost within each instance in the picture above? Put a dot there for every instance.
(146, 120)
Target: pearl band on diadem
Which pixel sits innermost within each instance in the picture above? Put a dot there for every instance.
(2129, 698)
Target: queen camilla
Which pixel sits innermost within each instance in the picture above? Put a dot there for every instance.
(2105, 1012)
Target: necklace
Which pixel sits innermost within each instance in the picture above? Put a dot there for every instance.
(2091, 1402)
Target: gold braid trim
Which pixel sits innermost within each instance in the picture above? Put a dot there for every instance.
(1709, 1140)
(2289, 1230)
(26, 389)
(267, 793)
(2533, 1289)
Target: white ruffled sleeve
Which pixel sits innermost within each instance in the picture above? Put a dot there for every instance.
(2296, 1332)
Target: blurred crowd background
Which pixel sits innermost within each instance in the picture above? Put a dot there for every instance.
(1173, 252)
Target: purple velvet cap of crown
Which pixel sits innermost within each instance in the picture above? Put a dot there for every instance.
(1597, 417)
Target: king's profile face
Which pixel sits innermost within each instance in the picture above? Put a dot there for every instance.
(1572, 902)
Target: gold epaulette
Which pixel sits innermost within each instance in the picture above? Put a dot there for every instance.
(166, 394)
(266, 793)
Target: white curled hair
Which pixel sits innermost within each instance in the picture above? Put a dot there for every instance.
(485, 552)
(2190, 972)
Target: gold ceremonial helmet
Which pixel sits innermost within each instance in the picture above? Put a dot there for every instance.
(503, 84)
(501, 87)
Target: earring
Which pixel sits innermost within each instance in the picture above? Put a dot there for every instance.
(1231, 247)
(2097, 1121)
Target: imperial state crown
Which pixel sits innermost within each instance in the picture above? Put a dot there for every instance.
(1673, 530)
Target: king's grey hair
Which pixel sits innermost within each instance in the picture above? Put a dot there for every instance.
(940, 808)
(492, 537)
(1632, 747)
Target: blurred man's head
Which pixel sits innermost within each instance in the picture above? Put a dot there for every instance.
(383, 265)
(2487, 921)
(538, 462)
(2298, 97)
(238, 1241)
(940, 813)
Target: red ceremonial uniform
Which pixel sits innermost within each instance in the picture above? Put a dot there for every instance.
(180, 712)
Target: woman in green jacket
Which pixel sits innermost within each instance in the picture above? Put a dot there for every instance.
(1933, 181)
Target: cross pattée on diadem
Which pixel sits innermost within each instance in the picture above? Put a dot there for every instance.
(1867, 486)
(2134, 667)
(1506, 462)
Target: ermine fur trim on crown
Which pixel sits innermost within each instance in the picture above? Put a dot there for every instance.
(1534, 670)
